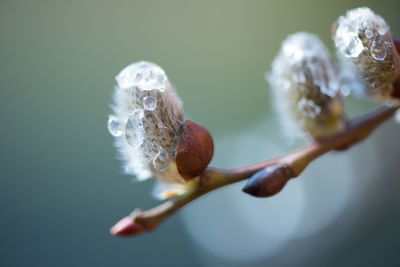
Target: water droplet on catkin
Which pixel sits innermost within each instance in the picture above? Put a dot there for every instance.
(382, 29)
(134, 129)
(368, 33)
(161, 161)
(149, 103)
(114, 126)
(354, 46)
(378, 50)
(309, 108)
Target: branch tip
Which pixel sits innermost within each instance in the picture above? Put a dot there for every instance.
(126, 227)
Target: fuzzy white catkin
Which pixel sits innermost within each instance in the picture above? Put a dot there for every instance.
(306, 88)
(364, 43)
(147, 123)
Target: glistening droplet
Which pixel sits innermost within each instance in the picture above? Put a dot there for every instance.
(309, 108)
(378, 50)
(368, 33)
(114, 126)
(382, 29)
(134, 129)
(161, 161)
(354, 46)
(149, 103)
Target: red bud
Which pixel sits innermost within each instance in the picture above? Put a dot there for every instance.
(126, 227)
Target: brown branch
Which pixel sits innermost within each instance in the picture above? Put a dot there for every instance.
(269, 176)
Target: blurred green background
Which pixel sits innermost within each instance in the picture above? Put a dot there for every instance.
(61, 186)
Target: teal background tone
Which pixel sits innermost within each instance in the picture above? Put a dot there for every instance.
(61, 186)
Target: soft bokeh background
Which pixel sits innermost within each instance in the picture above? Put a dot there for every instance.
(61, 186)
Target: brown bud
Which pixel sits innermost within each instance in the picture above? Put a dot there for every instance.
(267, 182)
(195, 150)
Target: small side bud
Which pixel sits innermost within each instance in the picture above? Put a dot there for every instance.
(365, 44)
(267, 182)
(306, 88)
(195, 150)
(126, 227)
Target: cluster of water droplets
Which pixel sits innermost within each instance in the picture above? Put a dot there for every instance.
(143, 77)
(359, 31)
(377, 64)
(308, 108)
(380, 44)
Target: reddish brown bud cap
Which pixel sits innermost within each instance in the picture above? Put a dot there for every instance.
(396, 41)
(126, 227)
(195, 150)
(396, 84)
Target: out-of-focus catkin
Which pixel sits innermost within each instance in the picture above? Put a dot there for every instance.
(306, 88)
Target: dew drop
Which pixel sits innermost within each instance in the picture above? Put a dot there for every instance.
(149, 103)
(378, 50)
(162, 125)
(161, 161)
(309, 108)
(389, 44)
(368, 33)
(382, 29)
(134, 129)
(114, 126)
(354, 46)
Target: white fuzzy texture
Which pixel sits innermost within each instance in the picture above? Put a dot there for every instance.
(147, 122)
(133, 159)
(305, 86)
(364, 42)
